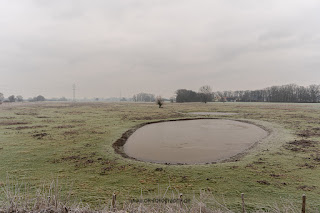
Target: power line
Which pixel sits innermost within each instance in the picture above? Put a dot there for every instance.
(74, 92)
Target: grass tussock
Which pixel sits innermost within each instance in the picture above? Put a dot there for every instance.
(16, 198)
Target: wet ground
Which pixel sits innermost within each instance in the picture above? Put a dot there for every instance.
(211, 113)
(193, 141)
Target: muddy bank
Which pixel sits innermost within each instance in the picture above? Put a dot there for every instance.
(211, 113)
(188, 141)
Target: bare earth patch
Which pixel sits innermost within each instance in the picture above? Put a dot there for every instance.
(8, 123)
(40, 135)
(300, 145)
(27, 127)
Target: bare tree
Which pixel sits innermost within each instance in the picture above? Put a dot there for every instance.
(144, 97)
(205, 93)
(159, 101)
(314, 91)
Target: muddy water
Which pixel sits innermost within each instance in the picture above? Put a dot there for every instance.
(192, 141)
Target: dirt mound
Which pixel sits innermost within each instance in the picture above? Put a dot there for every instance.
(300, 145)
(40, 135)
(8, 123)
(303, 143)
(27, 127)
(314, 132)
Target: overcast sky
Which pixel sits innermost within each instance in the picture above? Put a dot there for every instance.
(108, 47)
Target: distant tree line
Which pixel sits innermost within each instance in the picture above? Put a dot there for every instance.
(290, 93)
(19, 98)
(144, 97)
(57, 99)
(11, 98)
(38, 98)
(184, 95)
(205, 95)
(286, 93)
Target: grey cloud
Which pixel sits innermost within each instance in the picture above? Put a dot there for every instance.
(156, 46)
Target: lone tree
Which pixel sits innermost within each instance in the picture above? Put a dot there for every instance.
(159, 101)
(205, 93)
(12, 98)
(19, 98)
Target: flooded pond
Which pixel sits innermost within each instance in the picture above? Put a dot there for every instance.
(192, 141)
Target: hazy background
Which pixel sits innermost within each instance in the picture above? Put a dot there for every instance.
(109, 47)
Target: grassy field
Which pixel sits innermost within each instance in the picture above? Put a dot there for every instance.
(72, 142)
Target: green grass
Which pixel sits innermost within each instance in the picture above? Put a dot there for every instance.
(73, 143)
